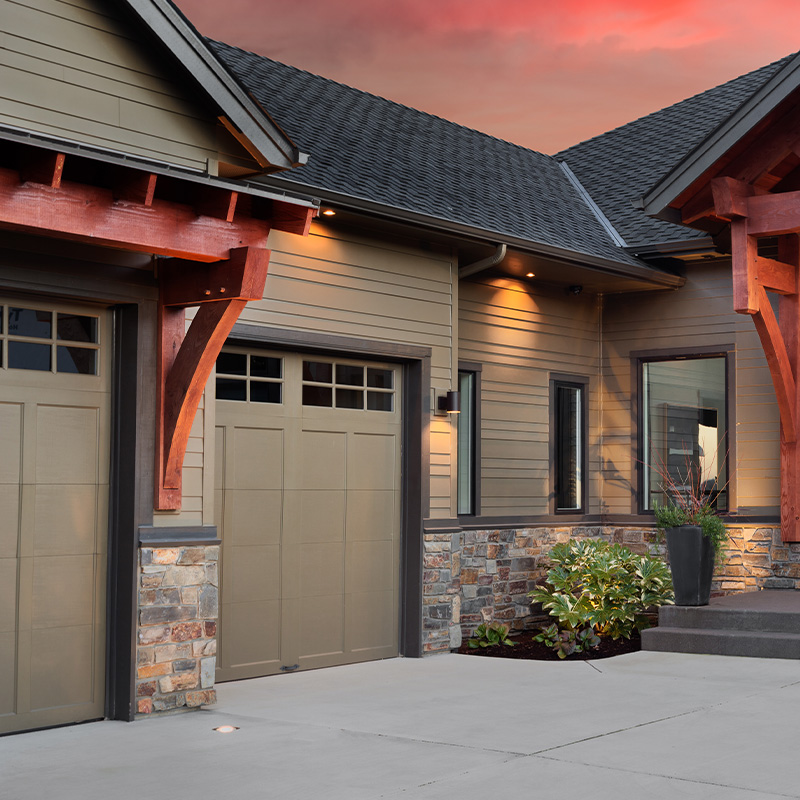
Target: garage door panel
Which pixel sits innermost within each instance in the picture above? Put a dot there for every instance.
(252, 574)
(322, 460)
(321, 626)
(256, 517)
(63, 591)
(373, 462)
(371, 623)
(10, 442)
(8, 594)
(9, 520)
(66, 445)
(370, 566)
(250, 636)
(257, 461)
(62, 667)
(371, 516)
(8, 683)
(315, 516)
(321, 569)
(65, 519)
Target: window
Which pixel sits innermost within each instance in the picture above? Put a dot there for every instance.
(249, 377)
(684, 429)
(568, 443)
(467, 494)
(48, 341)
(355, 386)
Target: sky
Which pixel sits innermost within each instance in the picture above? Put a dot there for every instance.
(544, 74)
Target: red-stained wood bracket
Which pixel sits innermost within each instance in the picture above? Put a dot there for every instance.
(42, 166)
(186, 358)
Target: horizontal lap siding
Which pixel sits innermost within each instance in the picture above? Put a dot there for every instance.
(698, 315)
(372, 290)
(72, 70)
(520, 337)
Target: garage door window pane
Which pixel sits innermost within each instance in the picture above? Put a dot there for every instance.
(349, 376)
(26, 355)
(380, 401)
(317, 396)
(78, 360)
(349, 398)
(30, 322)
(265, 367)
(262, 392)
(231, 389)
(75, 328)
(317, 371)
(232, 363)
(380, 378)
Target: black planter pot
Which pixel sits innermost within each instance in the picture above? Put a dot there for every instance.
(691, 561)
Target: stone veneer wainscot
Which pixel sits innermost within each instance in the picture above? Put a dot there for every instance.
(177, 630)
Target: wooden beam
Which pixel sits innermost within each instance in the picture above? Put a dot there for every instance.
(730, 197)
(743, 255)
(190, 283)
(777, 276)
(185, 362)
(213, 202)
(42, 166)
(291, 218)
(698, 207)
(133, 186)
(89, 214)
(773, 214)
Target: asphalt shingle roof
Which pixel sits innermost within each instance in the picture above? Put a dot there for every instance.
(367, 147)
(620, 166)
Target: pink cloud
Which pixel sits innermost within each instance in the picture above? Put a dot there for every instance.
(542, 74)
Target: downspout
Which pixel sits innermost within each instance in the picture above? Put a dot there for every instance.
(485, 263)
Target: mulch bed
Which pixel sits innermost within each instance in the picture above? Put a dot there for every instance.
(526, 649)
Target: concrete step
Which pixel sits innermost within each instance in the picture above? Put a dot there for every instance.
(720, 617)
(723, 642)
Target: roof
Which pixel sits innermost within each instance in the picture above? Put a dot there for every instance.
(620, 166)
(363, 146)
(267, 143)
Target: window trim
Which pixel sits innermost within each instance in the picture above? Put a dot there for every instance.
(638, 359)
(574, 381)
(476, 369)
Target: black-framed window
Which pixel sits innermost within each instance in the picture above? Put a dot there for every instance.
(568, 443)
(684, 428)
(468, 441)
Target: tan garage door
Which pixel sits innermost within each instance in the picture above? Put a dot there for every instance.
(308, 506)
(54, 419)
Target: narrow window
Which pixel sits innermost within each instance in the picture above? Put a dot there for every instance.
(685, 430)
(569, 426)
(467, 450)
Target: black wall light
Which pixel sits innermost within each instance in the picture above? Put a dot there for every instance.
(450, 403)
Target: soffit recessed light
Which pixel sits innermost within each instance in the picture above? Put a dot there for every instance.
(530, 275)
(329, 212)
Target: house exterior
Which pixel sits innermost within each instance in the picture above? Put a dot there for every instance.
(232, 453)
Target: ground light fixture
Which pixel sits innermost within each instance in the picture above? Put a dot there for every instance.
(226, 729)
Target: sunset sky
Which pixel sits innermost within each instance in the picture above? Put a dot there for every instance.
(542, 73)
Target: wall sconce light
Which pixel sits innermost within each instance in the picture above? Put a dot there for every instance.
(450, 403)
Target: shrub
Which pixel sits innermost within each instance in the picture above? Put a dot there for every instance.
(487, 635)
(600, 587)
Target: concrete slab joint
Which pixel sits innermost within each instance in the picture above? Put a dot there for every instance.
(177, 627)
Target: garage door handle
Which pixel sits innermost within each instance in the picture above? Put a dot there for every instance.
(289, 669)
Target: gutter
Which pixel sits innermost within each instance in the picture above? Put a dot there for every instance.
(562, 254)
(485, 263)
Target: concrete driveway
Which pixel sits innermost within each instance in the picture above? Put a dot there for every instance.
(646, 725)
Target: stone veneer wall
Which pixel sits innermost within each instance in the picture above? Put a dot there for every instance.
(177, 645)
(478, 576)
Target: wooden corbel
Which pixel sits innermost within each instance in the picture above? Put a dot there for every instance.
(221, 290)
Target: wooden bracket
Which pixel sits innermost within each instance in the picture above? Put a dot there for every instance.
(186, 358)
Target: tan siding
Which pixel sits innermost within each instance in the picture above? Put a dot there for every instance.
(699, 314)
(367, 289)
(521, 337)
(73, 70)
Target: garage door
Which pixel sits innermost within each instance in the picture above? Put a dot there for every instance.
(54, 414)
(308, 506)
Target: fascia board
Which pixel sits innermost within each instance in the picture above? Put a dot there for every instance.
(186, 44)
(605, 265)
(723, 138)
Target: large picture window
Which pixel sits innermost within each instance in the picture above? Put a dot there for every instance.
(685, 430)
(568, 444)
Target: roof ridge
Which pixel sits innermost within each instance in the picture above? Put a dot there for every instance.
(378, 97)
(691, 98)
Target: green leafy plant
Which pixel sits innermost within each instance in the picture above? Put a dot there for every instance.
(490, 634)
(597, 589)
